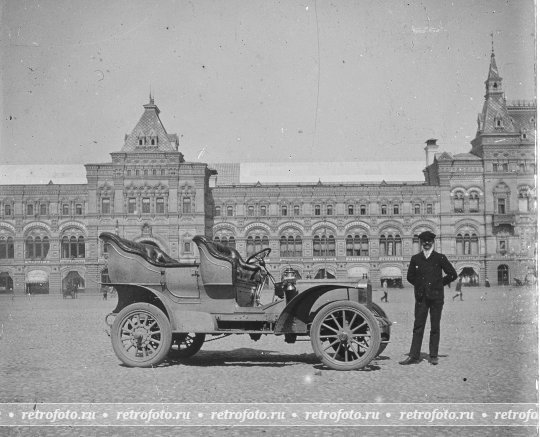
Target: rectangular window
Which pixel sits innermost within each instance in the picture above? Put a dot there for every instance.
(383, 209)
(317, 209)
(429, 208)
(65, 209)
(505, 167)
(329, 210)
(186, 205)
(129, 172)
(417, 208)
(296, 209)
(187, 247)
(160, 205)
(132, 205)
(396, 209)
(146, 205)
(522, 168)
(43, 209)
(251, 211)
(7, 210)
(263, 210)
(284, 210)
(229, 211)
(363, 209)
(105, 205)
(350, 209)
(501, 206)
(495, 167)
(30, 209)
(78, 209)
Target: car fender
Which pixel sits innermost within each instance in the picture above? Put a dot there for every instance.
(132, 293)
(297, 314)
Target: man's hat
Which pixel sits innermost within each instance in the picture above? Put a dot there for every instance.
(427, 236)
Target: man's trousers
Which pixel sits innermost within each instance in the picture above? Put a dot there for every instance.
(421, 310)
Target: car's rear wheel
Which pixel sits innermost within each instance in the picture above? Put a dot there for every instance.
(141, 335)
(345, 335)
(185, 345)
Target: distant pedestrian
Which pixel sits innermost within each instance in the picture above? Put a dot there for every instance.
(426, 274)
(459, 293)
(28, 292)
(105, 291)
(385, 291)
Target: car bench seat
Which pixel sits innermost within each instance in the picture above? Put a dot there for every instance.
(223, 266)
(153, 255)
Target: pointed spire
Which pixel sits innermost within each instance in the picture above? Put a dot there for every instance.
(493, 70)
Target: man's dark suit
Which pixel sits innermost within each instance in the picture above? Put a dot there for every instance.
(427, 277)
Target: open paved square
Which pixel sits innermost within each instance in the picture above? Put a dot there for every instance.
(57, 350)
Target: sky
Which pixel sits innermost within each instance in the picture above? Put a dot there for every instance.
(256, 80)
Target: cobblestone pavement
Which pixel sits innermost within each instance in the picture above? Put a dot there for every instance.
(56, 350)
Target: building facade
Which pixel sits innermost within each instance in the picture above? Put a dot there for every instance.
(481, 205)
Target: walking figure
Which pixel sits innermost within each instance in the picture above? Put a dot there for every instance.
(28, 292)
(459, 293)
(385, 291)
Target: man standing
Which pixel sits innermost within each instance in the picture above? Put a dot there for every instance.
(426, 274)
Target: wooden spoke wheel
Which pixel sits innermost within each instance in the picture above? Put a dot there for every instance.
(345, 335)
(141, 335)
(186, 345)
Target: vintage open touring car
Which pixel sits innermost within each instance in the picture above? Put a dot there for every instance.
(166, 308)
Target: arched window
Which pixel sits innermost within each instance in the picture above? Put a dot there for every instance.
(232, 242)
(350, 209)
(356, 245)
(458, 201)
(417, 209)
(296, 210)
(466, 244)
(217, 211)
(317, 209)
(317, 246)
(250, 246)
(474, 201)
(37, 247)
(290, 246)
(329, 210)
(459, 244)
(229, 211)
(263, 210)
(73, 247)
(383, 209)
(251, 211)
(6, 248)
(390, 245)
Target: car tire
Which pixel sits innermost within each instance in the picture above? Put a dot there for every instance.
(141, 335)
(345, 335)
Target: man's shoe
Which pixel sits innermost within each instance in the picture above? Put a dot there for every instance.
(434, 360)
(410, 361)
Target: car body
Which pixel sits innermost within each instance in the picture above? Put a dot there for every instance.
(166, 307)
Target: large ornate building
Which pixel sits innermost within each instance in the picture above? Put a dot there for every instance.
(481, 204)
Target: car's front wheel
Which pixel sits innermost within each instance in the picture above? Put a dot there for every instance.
(141, 335)
(345, 335)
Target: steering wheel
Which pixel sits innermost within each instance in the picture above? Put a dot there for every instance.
(259, 256)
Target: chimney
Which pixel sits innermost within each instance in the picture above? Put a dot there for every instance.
(431, 148)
